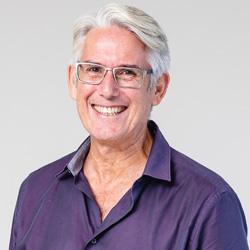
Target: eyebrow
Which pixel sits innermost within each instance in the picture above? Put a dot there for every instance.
(120, 65)
(129, 66)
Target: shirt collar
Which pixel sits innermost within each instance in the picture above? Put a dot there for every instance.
(158, 163)
(76, 163)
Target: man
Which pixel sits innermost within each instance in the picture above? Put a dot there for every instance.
(125, 187)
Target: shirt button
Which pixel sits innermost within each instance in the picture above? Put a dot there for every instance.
(94, 241)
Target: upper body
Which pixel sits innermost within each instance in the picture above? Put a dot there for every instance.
(176, 204)
(127, 188)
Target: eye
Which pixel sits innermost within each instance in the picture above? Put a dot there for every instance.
(126, 73)
(93, 69)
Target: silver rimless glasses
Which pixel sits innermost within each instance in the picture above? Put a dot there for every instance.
(125, 77)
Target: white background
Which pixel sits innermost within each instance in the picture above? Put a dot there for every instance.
(205, 113)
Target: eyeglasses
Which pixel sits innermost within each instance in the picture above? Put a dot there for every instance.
(125, 77)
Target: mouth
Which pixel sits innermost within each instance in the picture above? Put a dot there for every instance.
(108, 110)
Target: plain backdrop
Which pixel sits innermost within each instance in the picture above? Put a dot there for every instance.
(205, 113)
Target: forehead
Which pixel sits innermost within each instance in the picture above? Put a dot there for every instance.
(113, 45)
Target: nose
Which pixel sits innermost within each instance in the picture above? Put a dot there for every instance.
(108, 88)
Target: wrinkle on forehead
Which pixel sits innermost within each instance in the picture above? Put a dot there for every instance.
(113, 45)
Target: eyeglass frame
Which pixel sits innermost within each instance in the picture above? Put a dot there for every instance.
(144, 73)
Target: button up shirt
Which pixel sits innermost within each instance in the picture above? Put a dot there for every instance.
(176, 204)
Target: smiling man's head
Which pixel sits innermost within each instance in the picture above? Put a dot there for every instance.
(119, 71)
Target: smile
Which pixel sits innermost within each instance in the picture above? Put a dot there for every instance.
(109, 111)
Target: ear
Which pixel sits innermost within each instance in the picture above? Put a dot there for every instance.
(160, 88)
(72, 83)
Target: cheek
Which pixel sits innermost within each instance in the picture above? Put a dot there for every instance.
(143, 106)
(81, 103)
(83, 93)
(80, 100)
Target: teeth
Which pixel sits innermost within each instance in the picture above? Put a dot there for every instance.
(109, 111)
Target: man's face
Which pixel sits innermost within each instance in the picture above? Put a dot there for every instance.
(110, 113)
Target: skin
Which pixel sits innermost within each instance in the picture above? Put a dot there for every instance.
(120, 143)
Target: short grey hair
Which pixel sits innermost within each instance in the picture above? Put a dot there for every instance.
(135, 20)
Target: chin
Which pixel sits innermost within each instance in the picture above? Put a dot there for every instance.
(106, 135)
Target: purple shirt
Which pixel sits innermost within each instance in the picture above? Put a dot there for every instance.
(176, 204)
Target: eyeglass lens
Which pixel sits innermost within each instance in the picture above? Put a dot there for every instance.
(124, 76)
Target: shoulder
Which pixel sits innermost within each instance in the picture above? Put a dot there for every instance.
(31, 194)
(47, 173)
(215, 207)
(39, 181)
(196, 176)
(199, 187)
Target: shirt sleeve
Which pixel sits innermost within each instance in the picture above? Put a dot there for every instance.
(221, 224)
(15, 226)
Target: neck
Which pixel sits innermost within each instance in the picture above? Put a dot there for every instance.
(113, 160)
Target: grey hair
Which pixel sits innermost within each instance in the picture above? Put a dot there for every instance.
(134, 20)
